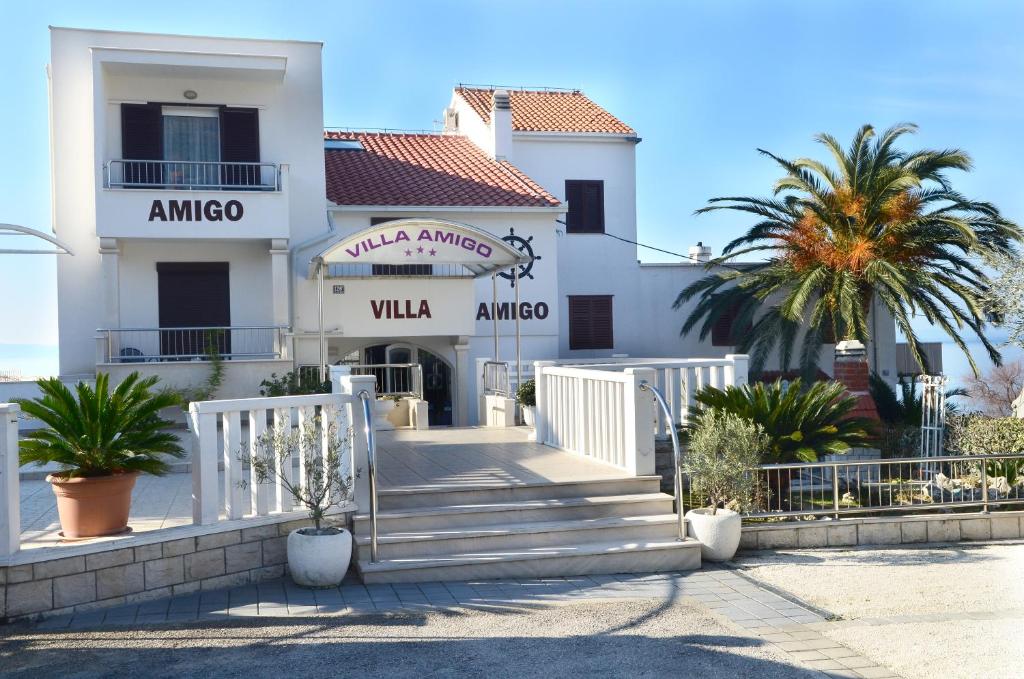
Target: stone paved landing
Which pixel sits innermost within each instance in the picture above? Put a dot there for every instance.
(778, 619)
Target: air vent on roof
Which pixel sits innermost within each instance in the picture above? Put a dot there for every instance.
(500, 100)
(343, 144)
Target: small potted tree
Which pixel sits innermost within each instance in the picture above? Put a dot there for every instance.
(102, 441)
(723, 451)
(526, 394)
(319, 555)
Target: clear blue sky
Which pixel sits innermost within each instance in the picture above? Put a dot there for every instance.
(703, 83)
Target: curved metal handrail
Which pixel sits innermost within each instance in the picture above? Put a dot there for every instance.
(371, 467)
(677, 457)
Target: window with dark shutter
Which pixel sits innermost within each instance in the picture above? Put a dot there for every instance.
(586, 206)
(590, 322)
(193, 295)
(240, 143)
(141, 140)
(724, 332)
(399, 269)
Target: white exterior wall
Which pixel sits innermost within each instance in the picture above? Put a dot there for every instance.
(91, 74)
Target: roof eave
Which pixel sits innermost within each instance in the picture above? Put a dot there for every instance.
(552, 209)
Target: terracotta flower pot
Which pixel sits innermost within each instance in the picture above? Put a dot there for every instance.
(90, 507)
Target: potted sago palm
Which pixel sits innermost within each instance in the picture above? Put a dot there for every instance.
(102, 440)
(723, 451)
(318, 555)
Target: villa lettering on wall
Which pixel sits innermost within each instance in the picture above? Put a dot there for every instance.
(399, 308)
(422, 245)
(195, 211)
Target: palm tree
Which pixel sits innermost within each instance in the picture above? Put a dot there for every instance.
(881, 224)
(905, 408)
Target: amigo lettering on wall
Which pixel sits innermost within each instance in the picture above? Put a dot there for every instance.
(195, 211)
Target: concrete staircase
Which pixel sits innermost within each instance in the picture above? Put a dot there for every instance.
(622, 525)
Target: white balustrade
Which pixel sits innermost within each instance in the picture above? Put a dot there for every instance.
(10, 508)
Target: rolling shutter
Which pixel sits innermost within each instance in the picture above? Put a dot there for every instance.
(142, 139)
(240, 143)
(724, 333)
(590, 322)
(192, 295)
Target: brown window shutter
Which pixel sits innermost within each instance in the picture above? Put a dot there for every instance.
(724, 332)
(586, 206)
(142, 139)
(240, 143)
(590, 322)
(192, 295)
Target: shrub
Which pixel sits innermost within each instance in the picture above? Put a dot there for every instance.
(99, 432)
(800, 423)
(294, 383)
(723, 449)
(526, 394)
(981, 435)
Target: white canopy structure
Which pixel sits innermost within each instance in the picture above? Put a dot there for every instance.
(467, 251)
(15, 230)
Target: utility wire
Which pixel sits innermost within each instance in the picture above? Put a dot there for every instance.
(669, 252)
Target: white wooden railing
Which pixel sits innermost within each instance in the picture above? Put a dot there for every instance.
(597, 409)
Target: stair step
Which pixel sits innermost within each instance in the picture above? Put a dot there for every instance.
(587, 558)
(550, 509)
(421, 496)
(400, 544)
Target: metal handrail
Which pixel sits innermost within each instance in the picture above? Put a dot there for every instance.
(371, 467)
(677, 457)
(502, 384)
(889, 461)
(191, 174)
(415, 379)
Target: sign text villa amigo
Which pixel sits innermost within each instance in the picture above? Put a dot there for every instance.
(433, 236)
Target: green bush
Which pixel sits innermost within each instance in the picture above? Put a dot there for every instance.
(723, 449)
(294, 383)
(800, 422)
(526, 394)
(981, 435)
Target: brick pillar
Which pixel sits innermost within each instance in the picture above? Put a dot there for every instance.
(851, 368)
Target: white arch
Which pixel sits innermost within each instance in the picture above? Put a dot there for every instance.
(15, 230)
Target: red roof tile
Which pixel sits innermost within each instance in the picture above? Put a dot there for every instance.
(548, 111)
(425, 169)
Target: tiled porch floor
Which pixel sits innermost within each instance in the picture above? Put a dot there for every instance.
(454, 457)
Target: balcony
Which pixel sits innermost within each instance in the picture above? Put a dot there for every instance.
(182, 175)
(158, 345)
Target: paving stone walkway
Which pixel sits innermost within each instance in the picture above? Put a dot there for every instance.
(776, 617)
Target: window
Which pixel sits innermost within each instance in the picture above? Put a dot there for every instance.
(193, 295)
(724, 332)
(586, 206)
(590, 322)
(198, 146)
(398, 269)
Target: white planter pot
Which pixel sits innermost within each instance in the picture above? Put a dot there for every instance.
(319, 560)
(718, 533)
(530, 416)
(382, 413)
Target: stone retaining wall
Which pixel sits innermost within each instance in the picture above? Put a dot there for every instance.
(109, 574)
(888, 530)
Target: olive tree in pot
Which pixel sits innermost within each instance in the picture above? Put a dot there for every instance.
(102, 441)
(319, 555)
(526, 394)
(723, 451)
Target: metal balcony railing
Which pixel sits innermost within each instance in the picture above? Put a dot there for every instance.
(190, 175)
(146, 345)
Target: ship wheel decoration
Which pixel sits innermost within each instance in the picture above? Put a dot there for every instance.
(524, 247)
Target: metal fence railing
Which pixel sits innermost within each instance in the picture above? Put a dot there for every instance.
(146, 345)
(496, 380)
(857, 487)
(189, 174)
(394, 379)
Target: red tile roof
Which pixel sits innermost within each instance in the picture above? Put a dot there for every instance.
(548, 111)
(425, 169)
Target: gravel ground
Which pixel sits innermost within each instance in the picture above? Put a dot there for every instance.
(879, 581)
(613, 638)
(959, 649)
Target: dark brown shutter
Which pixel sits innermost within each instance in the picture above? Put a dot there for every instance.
(142, 139)
(240, 143)
(724, 332)
(586, 206)
(590, 322)
(193, 295)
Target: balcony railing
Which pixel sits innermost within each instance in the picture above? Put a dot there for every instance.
(190, 175)
(147, 345)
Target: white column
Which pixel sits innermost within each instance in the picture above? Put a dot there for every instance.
(343, 382)
(279, 282)
(543, 414)
(10, 507)
(205, 496)
(639, 423)
(461, 379)
(111, 288)
(736, 369)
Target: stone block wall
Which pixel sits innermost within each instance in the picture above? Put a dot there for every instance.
(115, 576)
(888, 530)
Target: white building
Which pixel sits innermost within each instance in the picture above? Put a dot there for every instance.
(194, 181)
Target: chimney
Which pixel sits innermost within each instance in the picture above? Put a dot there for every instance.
(851, 368)
(501, 125)
(700, 252)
